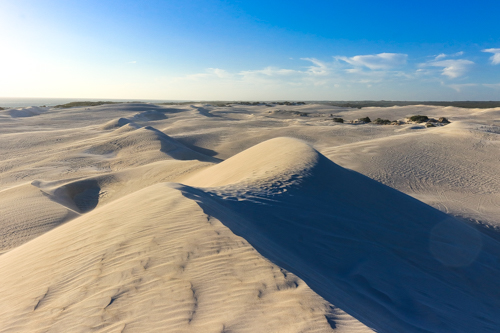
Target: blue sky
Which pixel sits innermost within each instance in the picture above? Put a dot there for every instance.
(250, 50)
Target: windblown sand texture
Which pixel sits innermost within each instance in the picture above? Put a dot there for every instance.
(196, 218)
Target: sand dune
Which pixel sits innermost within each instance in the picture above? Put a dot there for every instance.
(195, 218)
(26, 112)
(454, 168)
(149, 142)
(355, 241)
(153, 261)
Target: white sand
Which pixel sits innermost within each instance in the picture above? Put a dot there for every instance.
(140, 218)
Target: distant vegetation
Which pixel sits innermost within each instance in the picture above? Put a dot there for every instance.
(228, 103)
(222, 105)
(268, 103)
(176, 103)
(347, 104)
(84, 103)
(290, 113)
(460, 104)
(351, 104)
(288, 103)
(430, 122)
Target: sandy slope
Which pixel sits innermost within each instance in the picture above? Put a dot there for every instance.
(454, 168)
(392, 261)
(153, 261)
(94, 239)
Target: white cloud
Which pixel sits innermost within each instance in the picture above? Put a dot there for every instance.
(452, 68)
(317, 73)
(269, 72)
(132, 62)
(377, 61)
(220, 73)
(320, 67)
(443, 55)
(495, 58)
(209, 73)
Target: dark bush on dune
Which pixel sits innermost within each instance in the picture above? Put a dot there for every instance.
(338, 120)
(380, 121)
(419, 118)
(365, 120)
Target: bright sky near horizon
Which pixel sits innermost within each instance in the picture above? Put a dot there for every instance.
(250, 50)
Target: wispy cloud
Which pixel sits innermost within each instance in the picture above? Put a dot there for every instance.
(443, 55)
(209, 73)
(220, 73)
(495, 58)
(376, 61)
(269, 72)
(132, 62)
(452, 68)
(318, 67)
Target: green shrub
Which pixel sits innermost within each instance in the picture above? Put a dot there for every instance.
(338, 120)
(380, 121)
(419, 118)
(365, 119)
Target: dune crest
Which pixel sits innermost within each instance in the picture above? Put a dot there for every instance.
(26, 112)
(133, 147)
(279, 160)
(115, 123)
